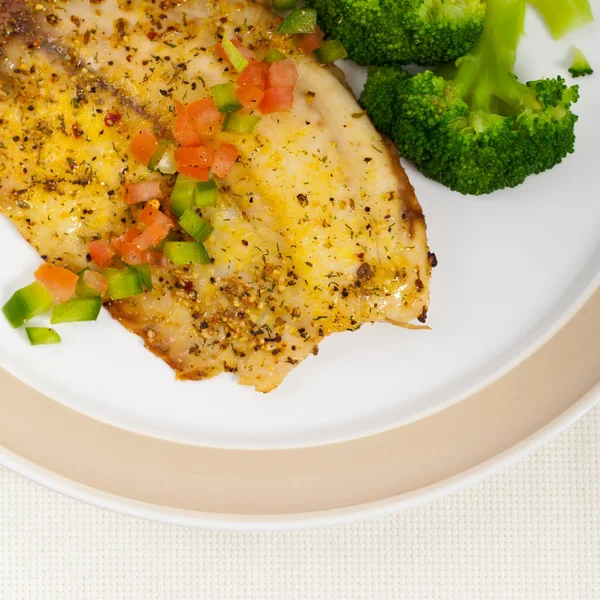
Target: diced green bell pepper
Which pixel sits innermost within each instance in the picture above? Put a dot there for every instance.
(235, 57)
(186, 253)
(301, 20)
(192, 223)
(76, 310)
(274, 55)
(183, 195)
(330, 51)
(205, 193)
(42, 335)
(123, 283)
(238, 123)
(26, 303)
(225, 97)
(145, 273)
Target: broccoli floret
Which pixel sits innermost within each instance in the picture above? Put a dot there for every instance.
(581, 65)
(473, 126)
(399, 32)
(563, 17)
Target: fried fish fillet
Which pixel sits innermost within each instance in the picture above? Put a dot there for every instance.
(317, 229)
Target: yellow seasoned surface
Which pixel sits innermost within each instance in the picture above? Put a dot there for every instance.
(317, 229)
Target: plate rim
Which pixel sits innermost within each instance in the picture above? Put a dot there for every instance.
(298, 521)
(578, 342)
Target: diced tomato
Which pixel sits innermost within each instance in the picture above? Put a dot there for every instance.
(127, 237)
(60, 282)
(205, 116)
(198, 173)
(245, 52)
(277, 99)
(309, 42)
(282, 73)
(220, 51)
(201, 156)
(157, 259)
(152, 236)
(132, 255)
(254, 74)
(250, 96)
(194, 162)
(95, 281)
(142, 191)
(225, 158)
(151, 216)
(102, 253)
(143, 145)
(185, 132)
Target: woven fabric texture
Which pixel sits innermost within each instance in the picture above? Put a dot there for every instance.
(531, 532)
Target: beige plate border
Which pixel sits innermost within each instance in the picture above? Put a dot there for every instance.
(261, 489)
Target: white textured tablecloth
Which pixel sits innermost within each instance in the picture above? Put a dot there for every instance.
(531, 532)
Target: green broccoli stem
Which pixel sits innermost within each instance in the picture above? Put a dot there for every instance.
(563, 16)
(484, 78)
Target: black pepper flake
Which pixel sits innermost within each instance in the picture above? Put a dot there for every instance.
(52, 19)
(364, 272)
(302, 199)
(423, 316)
(433, 261)
(121, 27)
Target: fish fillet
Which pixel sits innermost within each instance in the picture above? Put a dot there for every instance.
(317, 229)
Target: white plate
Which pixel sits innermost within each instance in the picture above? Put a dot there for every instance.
(513, 266)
